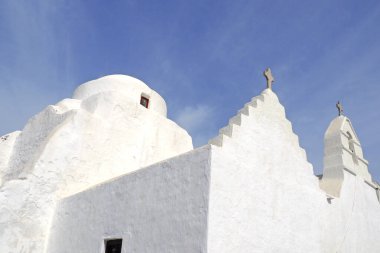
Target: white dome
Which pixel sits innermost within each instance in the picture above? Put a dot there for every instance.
(129, 86)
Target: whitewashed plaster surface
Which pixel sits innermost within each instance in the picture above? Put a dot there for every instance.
(251, 190)
(342, 151)
(265, 198)
(6, 143)
(162, 208)
(352, 221)
(102, 133)
(263, 194)
(254, 183)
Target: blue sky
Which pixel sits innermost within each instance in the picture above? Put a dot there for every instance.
(204, 57)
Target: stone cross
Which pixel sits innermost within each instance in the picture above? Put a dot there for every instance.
(270, 79)
(339, 106)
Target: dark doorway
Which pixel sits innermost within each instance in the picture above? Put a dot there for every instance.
(113, 246)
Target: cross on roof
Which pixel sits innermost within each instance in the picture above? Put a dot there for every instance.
(270, 79)
(339, 106)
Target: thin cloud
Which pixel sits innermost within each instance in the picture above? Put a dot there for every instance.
(319, 53)
(33, 76)
(196, 120)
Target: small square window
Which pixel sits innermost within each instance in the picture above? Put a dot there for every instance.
(144, 101)
(113, 245)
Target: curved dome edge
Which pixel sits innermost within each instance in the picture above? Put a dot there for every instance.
(129, 86)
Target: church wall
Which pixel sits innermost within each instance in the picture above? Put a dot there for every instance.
(263, 194)
(162, 208)
(251, 190)
(76, 144)
(257, 204)
(352, 221)
(255, 212)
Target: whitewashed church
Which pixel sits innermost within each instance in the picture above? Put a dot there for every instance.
(107, 172)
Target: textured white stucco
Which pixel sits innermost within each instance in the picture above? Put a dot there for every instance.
(250, 190)
(342, 151)
(352, 222)
(263, 194)
(265, 198)
(162, 208)
(6, 145)
(117, 83)
(102, 133)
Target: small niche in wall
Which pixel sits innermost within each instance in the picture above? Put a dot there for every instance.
(113, 245)
(144, 101)
(351, 146)
(350, 143)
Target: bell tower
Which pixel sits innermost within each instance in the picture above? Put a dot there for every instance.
(342, 152)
